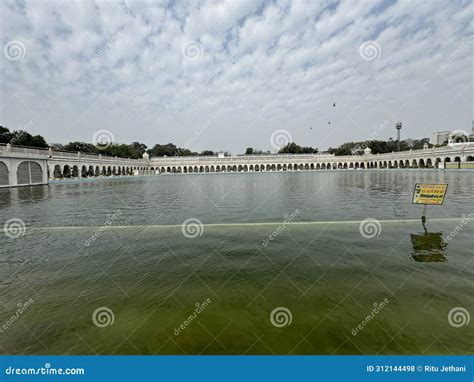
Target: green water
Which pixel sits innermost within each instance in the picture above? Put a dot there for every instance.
(318, 265)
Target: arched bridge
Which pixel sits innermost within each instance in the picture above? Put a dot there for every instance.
(26, 166)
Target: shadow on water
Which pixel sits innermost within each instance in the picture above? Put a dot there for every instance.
(428, 247)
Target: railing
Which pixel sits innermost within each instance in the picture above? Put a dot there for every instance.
(55, 154)
(421, 153)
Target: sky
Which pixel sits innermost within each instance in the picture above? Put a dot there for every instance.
(226, 75)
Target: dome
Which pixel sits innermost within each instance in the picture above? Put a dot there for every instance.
(367, 150)
(146, 155)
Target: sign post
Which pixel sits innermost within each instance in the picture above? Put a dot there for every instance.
(428, 194)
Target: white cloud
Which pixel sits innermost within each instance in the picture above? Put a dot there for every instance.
(264, 66)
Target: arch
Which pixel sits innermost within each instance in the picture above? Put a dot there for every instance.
(469, 158)
(119, 170)
(257, 167)
(206, 169)
(311, 167)
(229, 168)
(268, 167)
(246, 168)
(306, 166)
(345, 166)
(90, 171)
(429, 163)
(83, 171)
(301, 167)
(251, 167)
(414, 164)
(407, 164)
(57, 171)
(323, 166)
(457, 159)
(29, 172)
(201, 169)
(339, 165)
(213, 169)
(173, 170)
(421, 163)
(262, 167)
(4, 176)
(190, 169)
(356, 165)
(104, 171)
(240, 168)
(318, 166)
(279, 167)
(328, 166)
(66, 171)
(109, 171)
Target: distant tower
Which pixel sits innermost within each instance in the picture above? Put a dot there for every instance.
(398, 126)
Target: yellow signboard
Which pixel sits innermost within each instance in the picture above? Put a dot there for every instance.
(432, 194)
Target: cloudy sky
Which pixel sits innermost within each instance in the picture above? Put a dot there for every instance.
(225, 75)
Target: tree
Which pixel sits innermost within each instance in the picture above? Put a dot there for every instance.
(137, 150)
(23, 138)
(293, 148)
(83, 147)
(207, 153)
(5, 135)
(161, 150)
(249, 151)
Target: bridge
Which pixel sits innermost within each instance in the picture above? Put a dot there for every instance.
(21, 166)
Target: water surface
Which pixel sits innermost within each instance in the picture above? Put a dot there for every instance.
(119, 244)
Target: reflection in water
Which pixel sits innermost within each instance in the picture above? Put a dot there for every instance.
(32, 193)
(428, 247)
